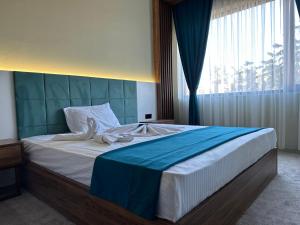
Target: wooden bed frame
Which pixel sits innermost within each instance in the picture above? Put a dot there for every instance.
(224, 207)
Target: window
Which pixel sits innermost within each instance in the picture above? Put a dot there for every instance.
(245, 51)
(255, 49)
(297, 47)
(251, 73)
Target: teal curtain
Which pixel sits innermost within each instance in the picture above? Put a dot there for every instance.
(192, 19)
(298, 6)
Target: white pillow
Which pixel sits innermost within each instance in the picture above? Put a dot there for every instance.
(76, 117)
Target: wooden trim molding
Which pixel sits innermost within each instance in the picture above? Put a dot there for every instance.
(162, 52)
(224, 207)
(156, 38)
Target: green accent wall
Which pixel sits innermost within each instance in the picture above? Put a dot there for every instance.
(40, 99)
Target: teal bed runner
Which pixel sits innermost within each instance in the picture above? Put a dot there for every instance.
(130, 176)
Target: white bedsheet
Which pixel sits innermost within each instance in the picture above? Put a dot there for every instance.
(183, 186)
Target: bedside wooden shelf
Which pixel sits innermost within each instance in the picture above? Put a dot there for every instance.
(10, 158)
(159, 121)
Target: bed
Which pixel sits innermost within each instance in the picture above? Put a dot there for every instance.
(212, 188)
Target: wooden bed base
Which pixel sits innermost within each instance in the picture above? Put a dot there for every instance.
(224, 207)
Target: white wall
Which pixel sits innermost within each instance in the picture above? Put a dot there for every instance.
(146, 93)
(105, 38)
(8, 127)
(7, 106)
(146, 96)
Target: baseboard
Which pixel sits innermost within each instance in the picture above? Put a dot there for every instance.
(290, 151)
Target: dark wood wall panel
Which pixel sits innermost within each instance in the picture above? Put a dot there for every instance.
(162, 36)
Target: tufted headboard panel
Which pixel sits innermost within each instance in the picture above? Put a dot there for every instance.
(40, 99)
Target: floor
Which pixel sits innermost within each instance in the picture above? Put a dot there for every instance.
(279, 204)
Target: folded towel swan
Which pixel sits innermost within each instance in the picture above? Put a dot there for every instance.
(118, 134)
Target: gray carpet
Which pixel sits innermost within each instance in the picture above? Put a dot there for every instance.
(279, 204)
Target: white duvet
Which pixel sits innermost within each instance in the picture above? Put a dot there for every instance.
(183, 186)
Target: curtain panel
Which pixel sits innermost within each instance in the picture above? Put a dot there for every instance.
(191, 19)
(251, 73)
(223, 8)
(298, 6)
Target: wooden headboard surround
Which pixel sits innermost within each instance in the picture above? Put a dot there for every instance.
(40, 99)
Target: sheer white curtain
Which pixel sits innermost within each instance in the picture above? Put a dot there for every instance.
(251, 71)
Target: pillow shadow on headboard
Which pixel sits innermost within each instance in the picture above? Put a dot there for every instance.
(40, 99)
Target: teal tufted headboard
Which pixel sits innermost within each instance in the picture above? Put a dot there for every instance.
(40, 99)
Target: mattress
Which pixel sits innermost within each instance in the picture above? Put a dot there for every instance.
(182, 187)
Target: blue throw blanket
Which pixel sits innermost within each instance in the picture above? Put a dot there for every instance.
(130, 176)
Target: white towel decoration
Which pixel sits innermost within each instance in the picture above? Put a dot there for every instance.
(81, 136)
(124, 133)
